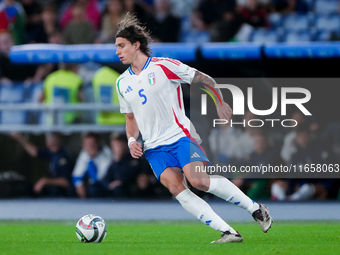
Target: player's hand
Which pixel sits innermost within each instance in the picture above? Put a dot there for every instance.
(224, 111)
(136, 149)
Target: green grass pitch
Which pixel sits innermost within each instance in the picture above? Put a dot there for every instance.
(169, 237)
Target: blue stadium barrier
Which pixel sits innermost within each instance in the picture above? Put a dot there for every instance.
(180, 51)
(106, 53)
(303, 50)
(102, 53)
(231, 51)
(37, 53)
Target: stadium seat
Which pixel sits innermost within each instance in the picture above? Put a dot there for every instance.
(323, 36)
(33, 96)
(13, 117)
(265, 36)
(295, 22)
(275, 20)
(326, 6)
(328, 22)
(13, 94)
(297, 36)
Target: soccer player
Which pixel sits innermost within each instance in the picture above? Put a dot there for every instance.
(150, 95)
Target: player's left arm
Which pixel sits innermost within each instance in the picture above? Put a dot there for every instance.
(194, 77)
(223, 109)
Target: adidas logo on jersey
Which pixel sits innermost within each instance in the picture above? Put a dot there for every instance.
(128, 89)
(195, 155)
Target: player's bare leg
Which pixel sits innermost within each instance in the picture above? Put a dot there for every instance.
(225, 189)
(174, 180)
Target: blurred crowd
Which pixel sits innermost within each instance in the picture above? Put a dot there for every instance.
(95, 21)
(98, 171)
(109, 171)
(304, 145)
(199, 21)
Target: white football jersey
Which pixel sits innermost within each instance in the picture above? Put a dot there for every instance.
(155, 98)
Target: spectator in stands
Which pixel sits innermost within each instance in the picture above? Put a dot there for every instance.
(56, 37)
(32, 10)
(58, 182)
(289, 6)
(266, 4)
(254, 14)
(308, 151)
(233, 144)
(146, 184)
(12, 18)
(264, 154)
(104, 89)
(63, 86)
(123, 171)
(163, 25)
(79, 30)
(92, 13)
(211, 11)
(225, 145)
(183, 8)
(91, 167)
(330, 139)
(47, 26)
(289, 146)
(137, 8)
(113, 14)
(219, 17)
(11, 73)
(246, 139)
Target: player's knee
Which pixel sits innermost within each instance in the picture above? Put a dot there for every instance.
(200, 183)
(176, 189)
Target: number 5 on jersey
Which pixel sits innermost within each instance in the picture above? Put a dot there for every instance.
(143, 96)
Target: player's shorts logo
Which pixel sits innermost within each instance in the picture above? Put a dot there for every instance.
(152, 78)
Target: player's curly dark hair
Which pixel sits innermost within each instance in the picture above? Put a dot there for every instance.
(131, 29)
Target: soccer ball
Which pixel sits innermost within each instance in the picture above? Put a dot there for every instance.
(91, 229)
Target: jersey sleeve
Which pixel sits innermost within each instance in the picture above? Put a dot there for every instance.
(124, 105)
(175, 69)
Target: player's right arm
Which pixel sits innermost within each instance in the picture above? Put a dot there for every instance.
(132, 133)
(132, 130)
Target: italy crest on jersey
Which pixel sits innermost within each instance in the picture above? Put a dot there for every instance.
(152, 78)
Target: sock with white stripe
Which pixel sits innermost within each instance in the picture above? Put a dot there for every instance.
(202, 211)
(225, 189)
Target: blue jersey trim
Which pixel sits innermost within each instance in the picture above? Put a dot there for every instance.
(147, 63)
(144, 67)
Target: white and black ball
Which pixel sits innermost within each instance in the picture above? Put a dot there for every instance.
(91, 229)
